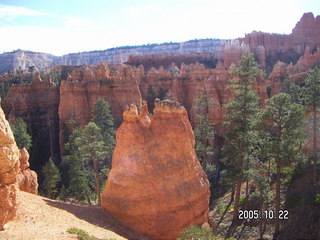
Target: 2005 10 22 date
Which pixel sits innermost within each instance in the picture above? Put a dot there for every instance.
(267, 214)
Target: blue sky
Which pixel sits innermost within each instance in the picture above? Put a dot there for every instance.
(64, 26)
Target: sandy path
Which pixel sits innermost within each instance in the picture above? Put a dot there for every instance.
(40, 218)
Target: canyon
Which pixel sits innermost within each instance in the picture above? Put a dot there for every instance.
(154, 142)
(50, 109)
(266, 46)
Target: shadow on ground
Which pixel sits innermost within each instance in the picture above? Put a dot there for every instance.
(98, 217)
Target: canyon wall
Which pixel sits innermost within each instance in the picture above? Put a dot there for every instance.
(9, 168)
(117, 84)
(156, 185)
(37, 104)
(267, 47)
(51, 110)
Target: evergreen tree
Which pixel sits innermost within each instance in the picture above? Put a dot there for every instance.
(204, 131)
(21, 136)
(51, 178)
(79, 184)
(104, 120)
(93, 151)
(312, 100)
(293, 89)
(285, 134)
(241, 126)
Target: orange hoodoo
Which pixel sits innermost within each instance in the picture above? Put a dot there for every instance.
(156, 185)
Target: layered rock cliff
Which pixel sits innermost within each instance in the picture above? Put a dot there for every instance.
(50, 110)
(268, 49)
(156, 185)
(37, 104)
(117, 84)
(9, 168)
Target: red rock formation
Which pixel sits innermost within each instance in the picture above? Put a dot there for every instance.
(296, 72)
(117, 84)
(37, 104)
(156, 185)
(9, 167)
(27, 179)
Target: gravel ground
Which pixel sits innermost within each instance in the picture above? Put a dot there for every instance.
(40, 218)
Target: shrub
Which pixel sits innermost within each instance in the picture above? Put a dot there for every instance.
(194, 232)
(82, 235)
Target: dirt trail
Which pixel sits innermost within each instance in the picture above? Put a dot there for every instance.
(40, 218)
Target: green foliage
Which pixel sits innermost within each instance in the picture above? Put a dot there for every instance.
(221, 206)
(51, 178)
(293, 89)
(162, 93)
(204, 131)
(312, 100)
(56, 77)
(151, 96)
(17, 77)
(21, 136)
(104, 120)
(90, 143)
(242, 200)
(286, 128)
(311, 92)
(317, 198)
(88, 153)
(194, 232)
(79, 181)
(87, 161)
(241, 127)
(288, 173)
(82, 235)
(4, 88)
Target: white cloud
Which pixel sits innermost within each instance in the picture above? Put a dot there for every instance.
(72, 21)
(140, 11)
(8, 12)
(57, 41)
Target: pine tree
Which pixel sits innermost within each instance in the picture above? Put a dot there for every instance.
(241, 125)
(204, 130)
(93, 151)
(293, 89)
(285, 134)
(312, 100)
(79, 184)
(104, 120)
(51, 178)
(21, 136)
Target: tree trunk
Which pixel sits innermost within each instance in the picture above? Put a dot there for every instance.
(247, 194)
(262, 225)
(315, 144)
(277, 202)
(226, 210)
(88, 198)
(97, 180)
(237, 200)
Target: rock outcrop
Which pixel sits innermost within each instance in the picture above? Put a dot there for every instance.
(156, 185)
(27, 179)
(9, 168)
(37, 104)
(117, 84)
(276, 47)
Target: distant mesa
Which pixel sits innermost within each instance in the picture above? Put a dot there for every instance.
(305, 34)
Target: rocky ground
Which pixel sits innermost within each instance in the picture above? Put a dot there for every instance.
(40, 218)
